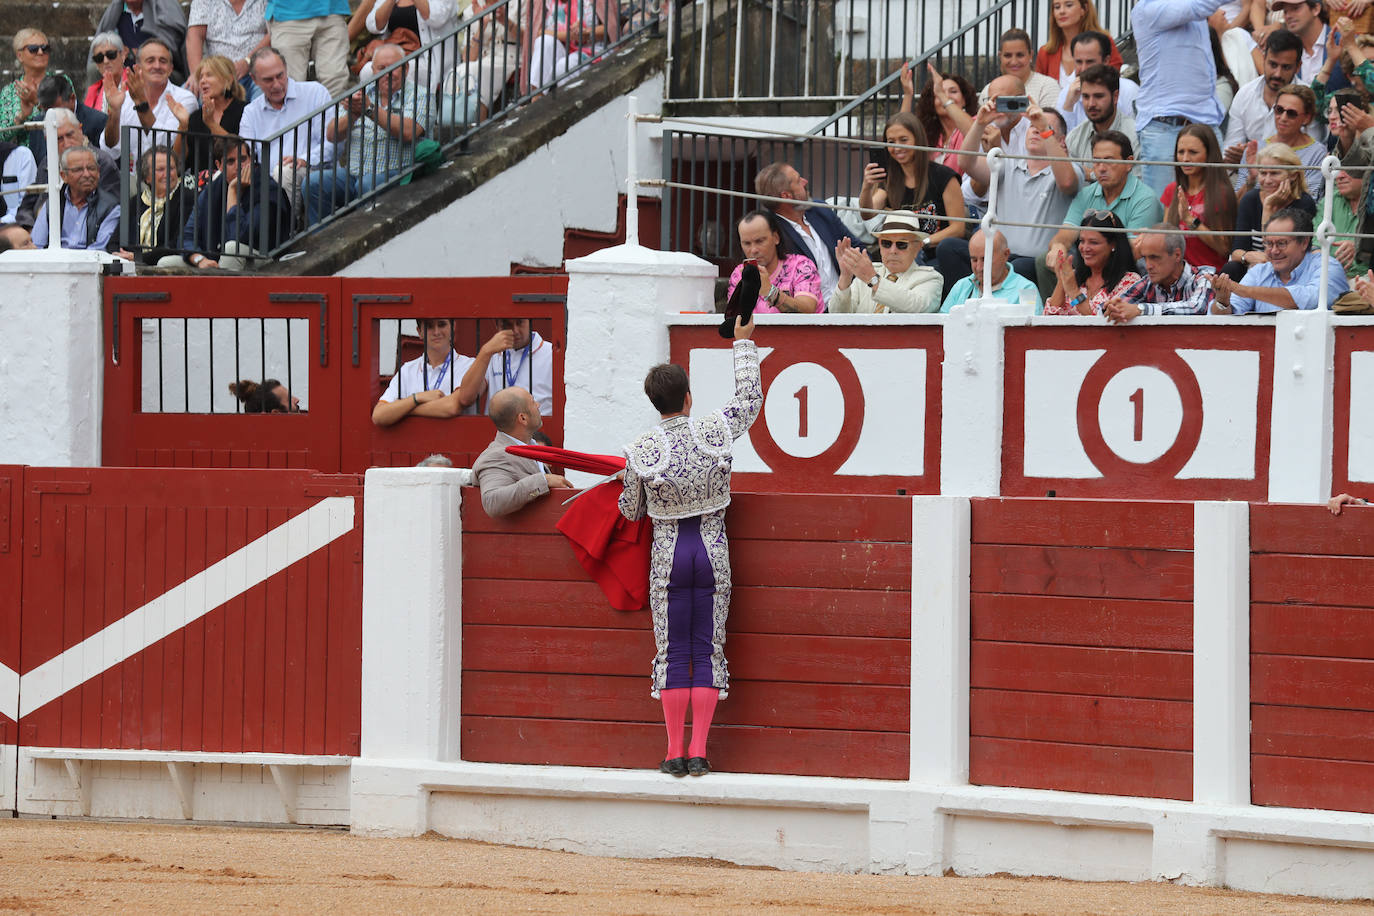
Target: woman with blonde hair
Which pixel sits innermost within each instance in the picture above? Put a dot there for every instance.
(19, 100)
(219, 114)
(1268, 191)
(1069, 18)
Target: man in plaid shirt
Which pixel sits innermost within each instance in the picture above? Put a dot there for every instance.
(1171, 286)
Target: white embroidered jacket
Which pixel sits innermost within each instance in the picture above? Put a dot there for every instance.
(681, 467)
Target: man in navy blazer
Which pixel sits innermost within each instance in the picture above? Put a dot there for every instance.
(812, 231)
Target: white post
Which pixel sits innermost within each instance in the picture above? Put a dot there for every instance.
(412, 614)
(54, 181)
(1221, 653)
(632, 178)
(1329, 167)
(1302, 412)
(989, 218)
(971, 399)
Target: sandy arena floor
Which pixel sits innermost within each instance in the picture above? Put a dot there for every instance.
(67, 867)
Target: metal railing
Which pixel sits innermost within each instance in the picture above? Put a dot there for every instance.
(365, 141)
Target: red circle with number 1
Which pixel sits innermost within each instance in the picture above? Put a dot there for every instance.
(828, 461)
(1095, 382)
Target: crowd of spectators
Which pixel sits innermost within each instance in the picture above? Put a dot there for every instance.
(1245, 98)
(251, 120)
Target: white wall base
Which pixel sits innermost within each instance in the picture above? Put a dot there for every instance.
(8, 776)
(140, 789)
(851, 825)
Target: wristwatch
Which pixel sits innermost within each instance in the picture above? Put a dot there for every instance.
(873, 283)
(141, 107)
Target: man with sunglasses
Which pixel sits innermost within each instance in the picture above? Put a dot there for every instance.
(1291, 279)
(898, 284)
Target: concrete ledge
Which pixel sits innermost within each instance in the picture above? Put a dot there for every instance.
(851, 825)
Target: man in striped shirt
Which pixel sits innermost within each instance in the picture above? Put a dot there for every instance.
(1171, 286)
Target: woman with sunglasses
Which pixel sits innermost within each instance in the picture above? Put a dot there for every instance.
(108, 54)
(1100, 268)
(1294, 109)
(789, 282)
(19, 100)
(1201, 198)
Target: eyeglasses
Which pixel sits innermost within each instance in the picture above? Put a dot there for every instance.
(1287, 112)
(38, 49)
(75, 169)
(99, 57)
(893, 243)
(1278, 244)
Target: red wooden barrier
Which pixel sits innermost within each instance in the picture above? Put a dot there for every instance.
(819, 644)
(1312, 658)
(1351, 343)
(343, 369)
(1081, 667)
(153, 618)
(11, 582)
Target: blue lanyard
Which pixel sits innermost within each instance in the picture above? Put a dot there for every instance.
(513, 377)
(439, 379)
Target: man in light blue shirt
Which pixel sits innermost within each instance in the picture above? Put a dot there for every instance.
(1292, 278)
(88, 216)
(1178, 77)
(281, 103)
(1007, 284)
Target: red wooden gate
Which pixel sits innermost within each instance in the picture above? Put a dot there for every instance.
(11, 582)
(190, 610)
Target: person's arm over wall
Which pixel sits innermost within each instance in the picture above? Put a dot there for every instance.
(741, 410)
(504, 491)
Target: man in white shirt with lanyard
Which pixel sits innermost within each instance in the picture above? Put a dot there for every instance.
(432, 384)
(513, 356)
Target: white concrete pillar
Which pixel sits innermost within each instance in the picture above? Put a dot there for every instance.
(971, 438)
(412, 613)
(50, 312)
(940, 544)
(618, 302)
(1221, 653)
(1300, 439)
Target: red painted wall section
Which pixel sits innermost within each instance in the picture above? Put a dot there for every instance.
(11, 583)
(1081, 668)
(275, 668)
(1312, 657)
(819, 644)
(1349, 341)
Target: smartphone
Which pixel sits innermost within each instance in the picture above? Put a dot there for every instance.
(877, 155)
(1013, 104)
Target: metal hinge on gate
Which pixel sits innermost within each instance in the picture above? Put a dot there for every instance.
(117, 300)
(359, 299)
(42, 488)
(539, 297)
(324, 316)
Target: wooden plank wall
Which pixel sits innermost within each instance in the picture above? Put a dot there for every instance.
(276, 669)
(11, 583)
(1312, 657)
(819, 644)
(1081, 667)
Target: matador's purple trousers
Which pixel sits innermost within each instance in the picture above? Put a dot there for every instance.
(691, 593)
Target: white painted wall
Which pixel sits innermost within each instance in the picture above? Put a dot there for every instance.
(50, 357)
(520, 216)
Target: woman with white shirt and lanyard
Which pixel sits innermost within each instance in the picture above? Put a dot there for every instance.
(427, 385)
(526, 360)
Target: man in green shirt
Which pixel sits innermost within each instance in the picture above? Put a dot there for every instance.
(1116, 189)
(1345, 215)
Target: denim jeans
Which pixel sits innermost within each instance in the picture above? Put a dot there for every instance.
(332, 188)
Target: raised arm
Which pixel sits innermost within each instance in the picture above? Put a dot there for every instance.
(741, 410)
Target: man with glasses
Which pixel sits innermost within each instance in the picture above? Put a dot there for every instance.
(1290, 280)
(898, 284)
(87, 216)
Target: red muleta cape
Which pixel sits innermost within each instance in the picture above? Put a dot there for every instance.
(612, 549)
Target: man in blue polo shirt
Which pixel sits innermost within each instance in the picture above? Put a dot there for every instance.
(1007, 284)
(1116, 189)
(1290, 280)
(306, 29)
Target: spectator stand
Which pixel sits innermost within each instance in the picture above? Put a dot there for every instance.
(173, 346)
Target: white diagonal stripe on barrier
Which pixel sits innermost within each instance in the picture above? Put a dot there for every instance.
(9, 692)
(255, 562)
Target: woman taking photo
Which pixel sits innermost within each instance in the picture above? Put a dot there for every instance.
(1069, 18)
(221, 109)
(1268, 191)
(945, 109)
(19, 100)
(788, 282)
(1100, 267)
(908, 180)
(1201, 198)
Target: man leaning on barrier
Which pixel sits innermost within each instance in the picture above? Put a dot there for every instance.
(509, 482)
(1171, 286)
(1290, 280)
(898, 284)
(380, 125)
(229, 225)
(433, 384)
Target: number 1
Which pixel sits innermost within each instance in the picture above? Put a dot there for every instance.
(800, 395)
(1138, 399)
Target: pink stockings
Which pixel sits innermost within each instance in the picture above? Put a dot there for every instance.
(675, 701)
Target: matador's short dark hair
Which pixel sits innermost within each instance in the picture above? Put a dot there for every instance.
(666, 385)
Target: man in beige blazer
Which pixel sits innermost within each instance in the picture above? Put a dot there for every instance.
(507, 482)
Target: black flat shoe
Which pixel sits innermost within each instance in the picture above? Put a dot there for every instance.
(698, 766)
(677, 766)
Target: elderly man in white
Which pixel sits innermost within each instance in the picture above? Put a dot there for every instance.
(898, 284)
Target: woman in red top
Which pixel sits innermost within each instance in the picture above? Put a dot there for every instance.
(1067, 19)
(1201, 198)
